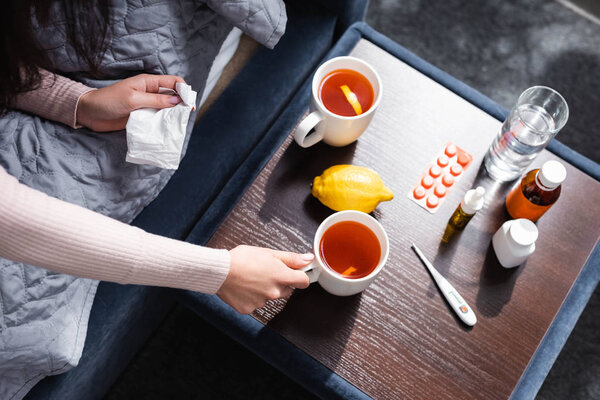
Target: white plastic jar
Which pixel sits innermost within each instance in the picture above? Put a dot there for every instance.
(514, 242)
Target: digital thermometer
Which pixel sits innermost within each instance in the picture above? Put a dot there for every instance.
(457, 303)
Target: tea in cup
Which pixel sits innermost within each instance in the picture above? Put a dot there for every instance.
(344, 96)
(337, 88)
(350, 248)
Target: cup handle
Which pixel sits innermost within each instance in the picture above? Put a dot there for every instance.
(313, 271)
(305, 127)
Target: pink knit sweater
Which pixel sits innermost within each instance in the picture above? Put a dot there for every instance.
(56, 99)
(43, 231)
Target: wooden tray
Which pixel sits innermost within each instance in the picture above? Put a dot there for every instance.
(399, 339)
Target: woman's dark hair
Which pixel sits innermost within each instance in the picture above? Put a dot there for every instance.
(85, 28)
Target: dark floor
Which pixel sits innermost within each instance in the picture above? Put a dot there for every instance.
(498, 47)
(189, 359)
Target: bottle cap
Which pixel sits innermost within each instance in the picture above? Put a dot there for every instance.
(552, 174)
(523, 232)
(473, 200)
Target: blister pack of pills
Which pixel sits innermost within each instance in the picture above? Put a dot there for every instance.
(440, 177)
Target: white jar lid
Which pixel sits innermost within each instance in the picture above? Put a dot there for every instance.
(552, 174)
(523, 232)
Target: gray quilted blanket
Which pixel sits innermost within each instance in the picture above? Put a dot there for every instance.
(44, 315)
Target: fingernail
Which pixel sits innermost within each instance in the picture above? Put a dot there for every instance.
(308, 256)
(175, 100)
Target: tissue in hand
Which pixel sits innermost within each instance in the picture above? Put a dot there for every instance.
(155, 137)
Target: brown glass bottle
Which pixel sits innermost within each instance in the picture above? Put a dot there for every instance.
(538, 191)
(472, 202)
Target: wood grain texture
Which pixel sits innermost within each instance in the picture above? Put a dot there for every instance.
(399, 339)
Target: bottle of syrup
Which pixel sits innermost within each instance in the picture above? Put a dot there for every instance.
(538, 191)
(472, 202)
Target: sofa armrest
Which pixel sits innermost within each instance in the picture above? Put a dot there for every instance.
(348, 12)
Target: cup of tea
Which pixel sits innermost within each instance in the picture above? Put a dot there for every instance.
(350, 248)
(334, 116)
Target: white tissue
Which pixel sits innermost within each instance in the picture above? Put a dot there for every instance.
(155, 137)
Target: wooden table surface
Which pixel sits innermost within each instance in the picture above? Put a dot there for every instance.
(399, 339)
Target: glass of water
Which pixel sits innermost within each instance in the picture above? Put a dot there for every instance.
(537, 117)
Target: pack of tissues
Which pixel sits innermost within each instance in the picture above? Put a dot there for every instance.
(155, 137)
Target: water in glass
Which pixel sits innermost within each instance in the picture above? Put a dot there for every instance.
(522, 137)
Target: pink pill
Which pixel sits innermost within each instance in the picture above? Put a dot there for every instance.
(450, 150)
(432, 201)
(440, 190)
(435, 171)
(427, 182)
(442, 161)
(455, 170)
(419, 192)
(448, 180)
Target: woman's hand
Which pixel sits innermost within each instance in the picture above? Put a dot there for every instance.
(108, 109)
(257, 275)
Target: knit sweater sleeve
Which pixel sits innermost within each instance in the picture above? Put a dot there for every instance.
(41, 230)
(56, 99)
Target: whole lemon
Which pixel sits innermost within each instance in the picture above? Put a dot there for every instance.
(350, 187)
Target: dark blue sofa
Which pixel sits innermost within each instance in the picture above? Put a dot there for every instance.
(223, 157)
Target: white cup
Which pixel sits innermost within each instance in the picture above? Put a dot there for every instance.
(333, 129)
(332, 281)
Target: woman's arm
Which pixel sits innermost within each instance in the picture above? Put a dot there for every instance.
(44, 231)
(107, 109)
(56, 99)
(40, 230)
